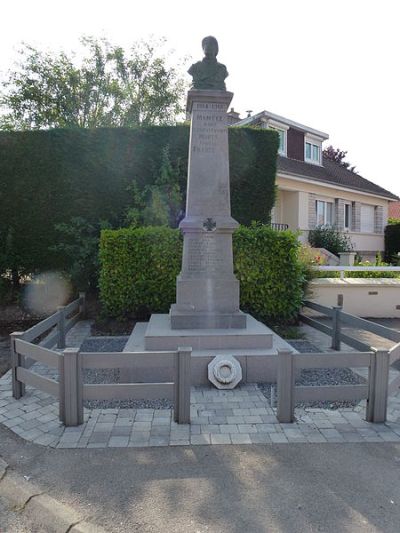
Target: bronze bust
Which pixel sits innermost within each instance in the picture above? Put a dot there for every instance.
(208, 73)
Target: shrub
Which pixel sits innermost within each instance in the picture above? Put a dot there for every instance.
(330, 238)
(139, 268)
(392, 243)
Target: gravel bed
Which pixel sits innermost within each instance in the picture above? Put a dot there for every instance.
(314, 377)
(93, 376)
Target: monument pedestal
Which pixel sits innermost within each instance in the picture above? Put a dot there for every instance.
(255, 347)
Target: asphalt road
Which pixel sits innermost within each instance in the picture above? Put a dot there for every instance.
(220, 489)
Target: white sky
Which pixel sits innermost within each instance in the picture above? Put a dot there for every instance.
(333, 66)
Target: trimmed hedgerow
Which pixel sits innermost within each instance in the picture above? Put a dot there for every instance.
(392, 242)
(48, 178)
(270, 273)
(139, 269)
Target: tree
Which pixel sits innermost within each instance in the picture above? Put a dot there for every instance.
(159, 204)
(337, 155)
(108, 87)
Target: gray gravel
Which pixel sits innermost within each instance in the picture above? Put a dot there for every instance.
(92, 376)
(314, 377)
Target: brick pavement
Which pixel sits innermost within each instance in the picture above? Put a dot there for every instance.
(240, 416)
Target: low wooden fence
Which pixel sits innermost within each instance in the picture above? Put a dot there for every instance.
(32, 345)
(69, 363)
(375, 392)
(74, 391)
(340, 318)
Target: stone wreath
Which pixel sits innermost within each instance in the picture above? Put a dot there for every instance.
(224, 372)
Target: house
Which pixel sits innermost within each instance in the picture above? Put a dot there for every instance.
(313, 190)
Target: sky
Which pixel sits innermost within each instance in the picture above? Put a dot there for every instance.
(333, 66)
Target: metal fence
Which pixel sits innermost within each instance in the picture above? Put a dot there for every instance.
(344, 269)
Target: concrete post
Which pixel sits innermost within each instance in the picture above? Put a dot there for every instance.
(285, 411)
(378, 386)
(72, 388)
(17, 360)
(182, 385)
(61, 327)
(336, 327)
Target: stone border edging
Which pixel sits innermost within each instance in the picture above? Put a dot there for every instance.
(40, 508)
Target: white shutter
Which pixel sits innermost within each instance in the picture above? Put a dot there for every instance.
(367, 218)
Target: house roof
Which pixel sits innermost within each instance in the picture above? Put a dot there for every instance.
(277, 118)
(333, 173)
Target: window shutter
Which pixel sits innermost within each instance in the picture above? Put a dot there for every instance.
(312, 213)
(356, 216)
(378, 219)
(339, 214)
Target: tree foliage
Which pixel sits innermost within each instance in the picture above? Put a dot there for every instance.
(161, 202)
(109, 87)
(337, 155)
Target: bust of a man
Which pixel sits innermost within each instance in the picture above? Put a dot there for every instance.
(208, 73)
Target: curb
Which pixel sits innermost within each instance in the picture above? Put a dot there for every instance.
(38, 507)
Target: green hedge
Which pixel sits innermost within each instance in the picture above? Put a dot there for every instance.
(139, 269)
(49, 177)
(392, 242)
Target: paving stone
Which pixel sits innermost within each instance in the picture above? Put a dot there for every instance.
(159, 441)
(210, 428)
(247, 428)
(118, 442)
(229, 428)
(121, 431)
(278, 438)
(218, 438)
(204, 438)
(260, 438)
(243, 438)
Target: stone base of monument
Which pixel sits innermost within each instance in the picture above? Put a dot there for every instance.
(255, 347)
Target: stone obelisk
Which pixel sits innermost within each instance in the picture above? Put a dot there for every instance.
(207, 292)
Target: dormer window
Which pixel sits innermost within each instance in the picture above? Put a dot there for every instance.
(282, 132)
(282, 140)
(312, 150)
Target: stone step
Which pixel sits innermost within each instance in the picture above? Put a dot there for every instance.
(160, 336)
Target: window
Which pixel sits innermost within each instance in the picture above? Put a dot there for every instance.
(367, 218)
(282, 140)
(324, 213)
(347, 216)
(312, 153)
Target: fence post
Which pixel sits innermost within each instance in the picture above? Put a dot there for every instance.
(18, 388)
(72, 410)
(82, 304)
(182, 385)
(61, 327)
(378, 386)
(336, 327)
(285, 411)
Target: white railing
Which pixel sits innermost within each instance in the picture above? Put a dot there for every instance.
(343, 269)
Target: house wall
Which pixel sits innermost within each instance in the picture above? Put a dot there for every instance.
(295, 144)
(297, 201)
